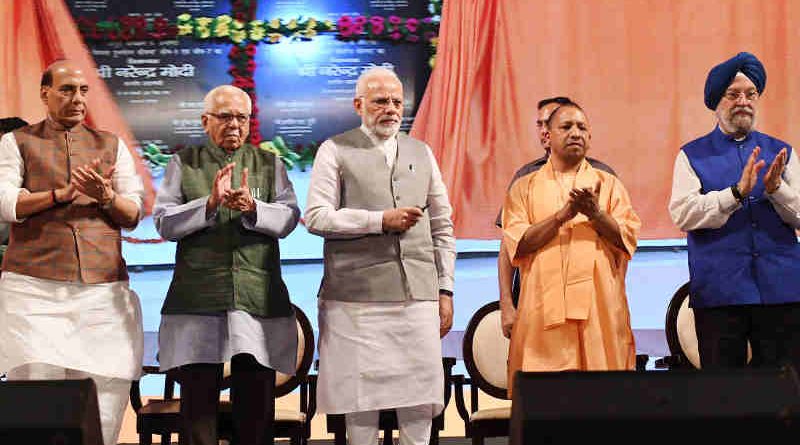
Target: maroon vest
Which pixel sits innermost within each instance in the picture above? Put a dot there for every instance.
(73, 242)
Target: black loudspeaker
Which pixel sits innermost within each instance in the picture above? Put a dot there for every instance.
(659, 407)
(49, 412)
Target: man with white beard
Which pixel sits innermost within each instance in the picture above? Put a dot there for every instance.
(377, 197)
(736, 192)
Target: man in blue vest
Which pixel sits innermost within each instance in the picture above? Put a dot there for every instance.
(736, 192)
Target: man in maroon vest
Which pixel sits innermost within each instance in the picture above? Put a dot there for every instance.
(66, 311)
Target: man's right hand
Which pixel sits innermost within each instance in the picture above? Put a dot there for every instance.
(750, 173)
(400, 219)
(569, 211)
(508, 316)
(67, 194)
(222, 183)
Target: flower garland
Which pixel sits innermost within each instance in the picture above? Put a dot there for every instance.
(392, 28)
(244, 31)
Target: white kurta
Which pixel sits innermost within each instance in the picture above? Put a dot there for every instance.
(96, 328)
(378, 355)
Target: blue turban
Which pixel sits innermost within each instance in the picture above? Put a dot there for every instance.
(721, 76)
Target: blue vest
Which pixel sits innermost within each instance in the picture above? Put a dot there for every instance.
(754, 258)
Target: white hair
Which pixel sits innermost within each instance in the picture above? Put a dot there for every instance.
(362, 84)
(211, 97)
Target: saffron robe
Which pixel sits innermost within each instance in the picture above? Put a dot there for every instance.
(573, 311)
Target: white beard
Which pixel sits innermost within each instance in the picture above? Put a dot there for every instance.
(386, 131)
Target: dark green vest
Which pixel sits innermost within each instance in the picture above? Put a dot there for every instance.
(226, 266)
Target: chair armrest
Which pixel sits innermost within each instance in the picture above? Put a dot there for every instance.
(135, 396)
(312, 397)
(447, 364)
(459, 381)
(641, 361)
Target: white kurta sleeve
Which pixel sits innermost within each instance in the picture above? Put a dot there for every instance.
(173, 217)
(786, 199)
(278, 218)
(444, 242)
(126, 181)
(689, 208)
(324, 216)
(11, 171)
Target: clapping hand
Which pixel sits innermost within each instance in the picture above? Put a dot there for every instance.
(240, 199)
(92, 182)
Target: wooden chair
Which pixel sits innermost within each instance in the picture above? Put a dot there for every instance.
(162, 416)
(485, 352)
(681, 335)
(387, 420)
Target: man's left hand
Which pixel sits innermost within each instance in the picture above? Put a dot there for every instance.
(586, 200)
(445, 314)
(240, 198)
(772, 179)
(90, 181)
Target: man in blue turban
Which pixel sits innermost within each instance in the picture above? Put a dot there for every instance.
(740, 217)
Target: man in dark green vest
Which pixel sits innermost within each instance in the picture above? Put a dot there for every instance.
(226, 204)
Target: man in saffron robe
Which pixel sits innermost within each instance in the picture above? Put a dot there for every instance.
(571, 230)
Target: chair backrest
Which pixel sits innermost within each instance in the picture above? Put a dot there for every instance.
(485, 351)
(284, 384)
(679, 328)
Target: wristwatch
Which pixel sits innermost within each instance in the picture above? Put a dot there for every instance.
(737, 194)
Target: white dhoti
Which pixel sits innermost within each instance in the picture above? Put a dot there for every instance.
(375, 356)
(92, 330)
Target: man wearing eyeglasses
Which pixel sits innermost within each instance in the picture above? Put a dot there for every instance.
(377, 198)
(736, 192)
(508, 276)
(226, 204)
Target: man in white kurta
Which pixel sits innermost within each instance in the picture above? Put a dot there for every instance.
(66, 311)
(378, 199)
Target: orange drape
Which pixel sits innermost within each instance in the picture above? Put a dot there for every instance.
(36, 33)
(638, 67)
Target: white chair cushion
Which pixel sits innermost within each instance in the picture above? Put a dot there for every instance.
(491, 414)
(279, 377)
(687, 336)
(301, 344)
(490, 350)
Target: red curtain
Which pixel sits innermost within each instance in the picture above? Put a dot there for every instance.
(37, 33)
(638, 68)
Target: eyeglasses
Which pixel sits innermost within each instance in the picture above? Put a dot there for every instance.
(385, 102)
(733, 96)
(241, 119)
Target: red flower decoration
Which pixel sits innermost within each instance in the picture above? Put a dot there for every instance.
(358, 29)
(412, 38)
(345, 31)
(412, 24)
(395, 20)
(395, 35)
(376, 20)
(344, 20)
(360, 20)
(250, 49)
(378, 28)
